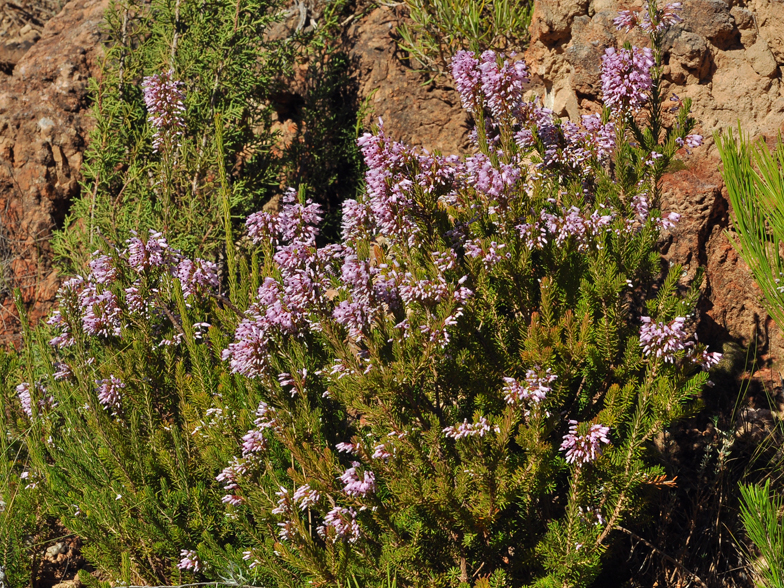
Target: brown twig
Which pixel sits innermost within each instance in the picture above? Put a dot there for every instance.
(663, 555)
(231, 306)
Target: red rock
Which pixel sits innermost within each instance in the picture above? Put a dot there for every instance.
(43, 127)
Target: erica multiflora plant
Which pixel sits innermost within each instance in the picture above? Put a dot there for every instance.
(464, 387)
(169, 69)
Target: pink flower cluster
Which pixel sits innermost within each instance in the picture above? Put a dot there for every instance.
(230, 476)
(490, 254)
(584, 447)
(465, 429)
(283, 308)
(254, 441)
(663, 18)
(94, 304)
(340, 524)
(295, 222)
(146, 255)
(62, 371)
(25, 398)
(164, 96)
(356, 486)
(497, 181)
(349, 448)
(663, 339)
(395, 173)
(535, 389)
(306, 497)
(189, 561)
(626, 78)
(485, 84)
(23, 393)
(569, 224)
(197, 276)
(109, 392)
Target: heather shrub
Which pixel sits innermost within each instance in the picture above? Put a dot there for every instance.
(18, 505)
(463, 390)
(171, 68)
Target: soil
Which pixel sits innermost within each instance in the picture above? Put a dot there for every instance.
(21, 24)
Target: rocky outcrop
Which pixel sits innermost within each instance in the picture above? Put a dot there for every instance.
(21, 24)
(43, 127)
(726, 55)
(427, 115)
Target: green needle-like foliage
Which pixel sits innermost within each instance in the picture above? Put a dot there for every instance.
(440, 28)
(762, 513)
(754, 177)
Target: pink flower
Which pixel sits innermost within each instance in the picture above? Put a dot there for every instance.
(62, 371)
(253, 442)
(626, 19)
(641, 207)
(190, 561)
(626, 78)
(706, 359)
(347, 448)
(102, 270)
(23, 393)
(109, 392)
(380, 452)
(145, 256)
(197, 276)
(536, 387)
(502, 85)
(465, 71)
(356, 486)
(305, 497)
(25, 399)
(263, 226)
(164, 97)
(100, 312)
(340, 524)
(584, 447)
(663, 339)
(668, 221)
(465, 429)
